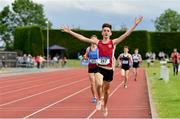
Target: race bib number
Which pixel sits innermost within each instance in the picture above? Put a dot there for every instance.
(84, 62)
(93, 61)
(148, 60)
(136, 60)
(104, 61)
(125, 62)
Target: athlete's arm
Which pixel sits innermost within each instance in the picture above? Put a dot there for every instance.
(119, 57)
(128, 32)
(119, 60)
(130, 58)
(172, 56)
(140, 58)
(78, 36)
(86, 54)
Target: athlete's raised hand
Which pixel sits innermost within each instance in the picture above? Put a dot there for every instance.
(128, 32)
(138, 20)
(65, 29)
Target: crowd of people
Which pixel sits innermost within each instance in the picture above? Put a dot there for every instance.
(29, 61)
(39, 61)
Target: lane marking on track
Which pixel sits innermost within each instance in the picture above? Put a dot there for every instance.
(94, 111)
(41, 92)
(57, 102)
(74, 109)
(29, 81)
(55, 74)
(34, 86)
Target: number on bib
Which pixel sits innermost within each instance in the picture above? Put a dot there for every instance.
(93, 61)
(84, 62)
(104, 61)
(125, 62)
(136, 60)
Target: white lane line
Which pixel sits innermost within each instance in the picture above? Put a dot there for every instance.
(42, 92)
(28, 81)
(32, 81)
(20, 77)
(17, 78)
(34, 86)
(74, 109)
(94, 111)
(56, 102)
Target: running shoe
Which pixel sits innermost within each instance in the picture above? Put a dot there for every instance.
(135, 79)
(105, 112)
(102, 102)
(98, 105)
(94, 100)
(125, 86)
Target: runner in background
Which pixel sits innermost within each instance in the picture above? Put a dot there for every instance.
(125, 61)
(92, 55)
(136, 57)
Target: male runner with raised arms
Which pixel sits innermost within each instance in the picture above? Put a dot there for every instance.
(106, 54)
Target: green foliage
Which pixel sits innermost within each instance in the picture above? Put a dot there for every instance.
(6, 27)
(29, 13)
(29, 40)
(145, 41)
(137, 39)
(165, 41)
(63, 39)
(166, 96)
(23, 13)
(168, 21)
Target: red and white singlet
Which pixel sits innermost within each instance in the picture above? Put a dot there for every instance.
(106, 53)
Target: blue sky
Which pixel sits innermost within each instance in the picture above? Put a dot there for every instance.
(91, 14)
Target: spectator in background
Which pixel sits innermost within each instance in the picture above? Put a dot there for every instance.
(153, 58)
(179, 62)
(24, 59)
(37, 59)
(55, 59)
(3, 62)
(175, 61)
(29, 60)
(148, 58)
(64, 61)
(161, 56)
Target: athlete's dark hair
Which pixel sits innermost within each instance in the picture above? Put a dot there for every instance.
(136, 49)
(126, 47)
(106, 25)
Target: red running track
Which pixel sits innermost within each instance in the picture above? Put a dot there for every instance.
(66, 94)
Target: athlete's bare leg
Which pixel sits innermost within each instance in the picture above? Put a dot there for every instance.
(106, 89)
(93, 83)
(99, 86)
(126, 78)
(135, 73)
